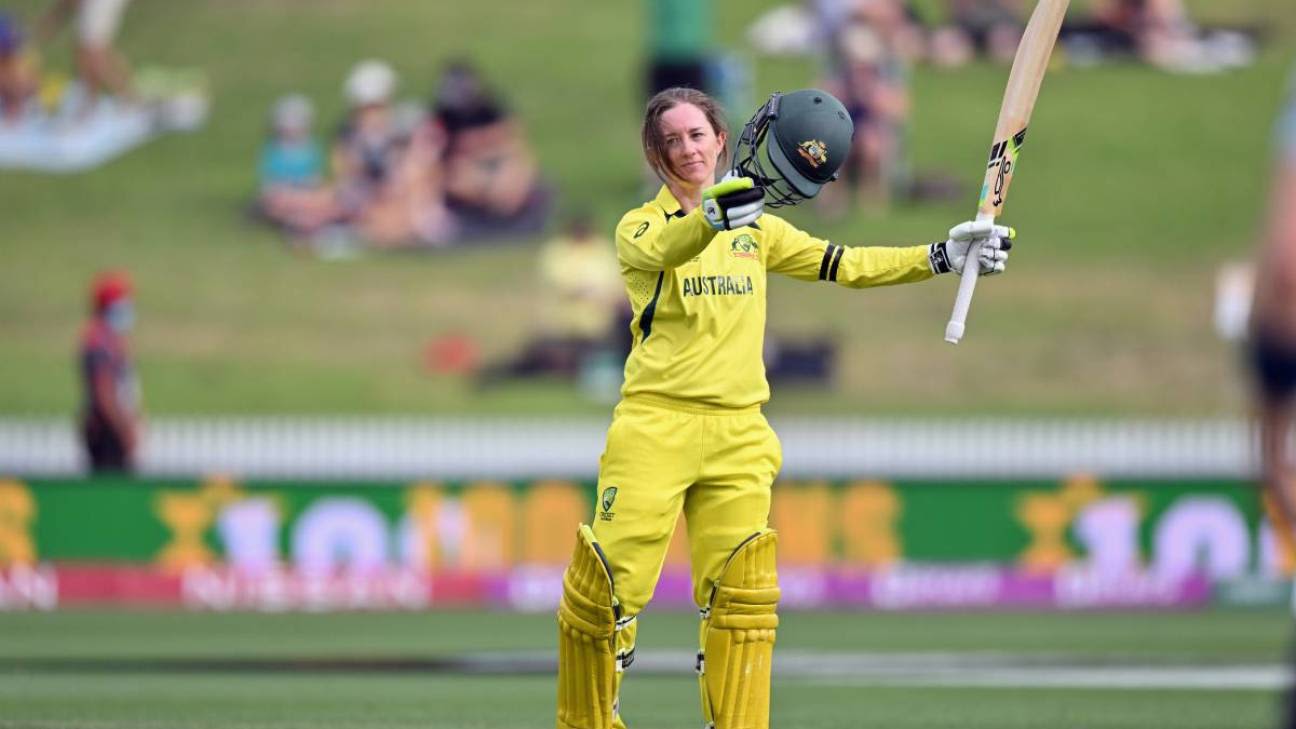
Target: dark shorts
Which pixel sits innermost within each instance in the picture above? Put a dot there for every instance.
(663, 75)
(105, 452)
(1273, 363)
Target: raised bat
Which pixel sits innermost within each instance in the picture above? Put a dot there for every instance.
(1010, 133)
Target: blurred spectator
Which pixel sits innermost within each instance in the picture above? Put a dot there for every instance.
(872, 81)
(424, 173)
(580, 275)
(100, 67)
(110, 410)
(1159, 32)
(403, 175)
(580, 279)
(896, 22)
(1272, 351)
(1273, 333)
(364, 152)
(1155, 30)
(291, 157)
(367, 155)
(293, 191)
(491, 180)
(19, 72)
(386, 160)
(991, 28)
(679, 40)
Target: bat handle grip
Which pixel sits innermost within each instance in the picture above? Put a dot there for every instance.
(967, 286)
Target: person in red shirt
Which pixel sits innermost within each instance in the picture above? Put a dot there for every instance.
(110, 413)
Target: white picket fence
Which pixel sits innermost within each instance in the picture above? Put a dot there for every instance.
(519, 447)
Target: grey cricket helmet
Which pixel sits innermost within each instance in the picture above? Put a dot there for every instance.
(794, 145)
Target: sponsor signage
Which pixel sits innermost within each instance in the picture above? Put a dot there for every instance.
(284, 545)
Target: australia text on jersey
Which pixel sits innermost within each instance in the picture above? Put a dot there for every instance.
(718, 286)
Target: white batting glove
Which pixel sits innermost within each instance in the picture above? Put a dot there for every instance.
(733, 202)
(951, 255)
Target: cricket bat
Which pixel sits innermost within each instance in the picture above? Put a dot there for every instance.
(1010, 134)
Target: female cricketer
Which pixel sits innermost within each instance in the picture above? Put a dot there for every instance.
(688, 433)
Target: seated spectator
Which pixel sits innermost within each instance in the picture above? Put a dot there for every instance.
(404, 176)
(422, 174)
(1114, 28)
(19, 72)
(293, 192)
(388, 161)
(491, 179)
(291, 157)
(1157, 30)
(991, 28)
(1160, 33)
(581, 280)
(581, 289)
(367, 156)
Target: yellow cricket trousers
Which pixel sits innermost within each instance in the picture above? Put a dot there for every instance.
(664, 455)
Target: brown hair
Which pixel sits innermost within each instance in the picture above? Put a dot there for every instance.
(654, 147)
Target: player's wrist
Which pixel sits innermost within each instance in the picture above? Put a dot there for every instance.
(938, 258)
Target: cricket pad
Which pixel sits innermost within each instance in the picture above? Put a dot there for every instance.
(587, 617)
(737, 638)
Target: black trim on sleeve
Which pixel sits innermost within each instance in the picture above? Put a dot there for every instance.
(827, 261)
(832, 272)
(938, 258)
(646, 318)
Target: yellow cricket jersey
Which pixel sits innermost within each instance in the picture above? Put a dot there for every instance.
(699, 297)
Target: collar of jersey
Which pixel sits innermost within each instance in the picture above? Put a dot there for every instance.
(667, 202)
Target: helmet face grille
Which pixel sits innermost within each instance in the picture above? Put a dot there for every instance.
(748, 163)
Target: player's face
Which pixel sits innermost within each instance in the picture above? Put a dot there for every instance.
(692, 146)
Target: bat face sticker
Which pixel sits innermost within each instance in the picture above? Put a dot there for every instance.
(1003, 155)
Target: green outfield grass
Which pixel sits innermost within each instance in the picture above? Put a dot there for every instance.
(81, 701)
(1226, 635)
(1135, 187)
(182, 695)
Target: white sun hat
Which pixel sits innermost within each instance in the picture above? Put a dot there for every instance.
(370, 82)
